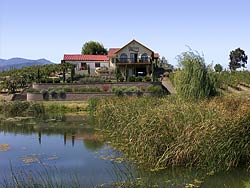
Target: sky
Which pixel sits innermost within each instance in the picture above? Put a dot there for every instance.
(51, 28)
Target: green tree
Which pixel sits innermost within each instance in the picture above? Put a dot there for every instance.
(218, 68)
(193, 80)
(94, 48)
(238, 59)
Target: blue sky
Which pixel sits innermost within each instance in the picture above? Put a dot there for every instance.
(50, 28)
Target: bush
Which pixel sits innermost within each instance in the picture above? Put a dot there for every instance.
(156, 91)
(36, 109)
(105, 88)
(139, 93)
(68, 89)
(138, 79)
(57, 80)
(15, 108)
(45, 94)
(62, 94)
(147, 78)
(131, 79)
(121, 78)
(119, 92)
(54, 94)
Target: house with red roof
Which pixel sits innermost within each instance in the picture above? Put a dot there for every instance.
(82, 62)
(133, 58)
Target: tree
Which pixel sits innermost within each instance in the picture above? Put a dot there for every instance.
(94, 48)
(218, 68)
(193, 81)
(238, 59)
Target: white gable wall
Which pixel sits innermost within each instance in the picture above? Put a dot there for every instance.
(90, 63)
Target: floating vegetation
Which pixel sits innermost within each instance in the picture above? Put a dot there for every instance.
(5, 147)
(38, 158)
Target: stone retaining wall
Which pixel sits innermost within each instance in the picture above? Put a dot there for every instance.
(100, 85)
(74, 96)
(69, 96)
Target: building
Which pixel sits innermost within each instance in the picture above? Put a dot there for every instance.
(82, 62)
(132, 59)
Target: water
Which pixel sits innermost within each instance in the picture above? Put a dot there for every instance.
(72, 148)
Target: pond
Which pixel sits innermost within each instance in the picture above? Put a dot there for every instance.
(71, 149)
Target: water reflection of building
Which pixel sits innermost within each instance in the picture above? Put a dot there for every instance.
(91, 141)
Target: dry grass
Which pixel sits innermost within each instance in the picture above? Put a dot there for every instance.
(157, 133)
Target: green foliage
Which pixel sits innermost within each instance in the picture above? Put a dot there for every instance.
(45, 94)
(62, 94)
(165, 132)
(36, 109)
(131, 79)
(16, 108)
(119, 92)
(147, 78)
(156, 91)
(121, 79)
(238, 59)
(94, 48)
(218, 68)
(54, 94)
(193, 80)
(138, 79)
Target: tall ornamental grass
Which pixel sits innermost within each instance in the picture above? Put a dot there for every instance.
(161, 132)
(193, 80)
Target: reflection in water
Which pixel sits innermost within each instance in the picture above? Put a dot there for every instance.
(50, 146)
(69, 130)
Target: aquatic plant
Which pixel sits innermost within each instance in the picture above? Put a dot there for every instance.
(162, 132)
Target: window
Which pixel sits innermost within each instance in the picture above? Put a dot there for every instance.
(144, 57)
(83, 66)
(97, 65)
(123, 58)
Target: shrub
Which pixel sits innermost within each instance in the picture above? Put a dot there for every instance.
(156, 91)
(45, 94)
(119, 92)
(121, 78)
(138, 79)
(15, 108)
(62, 94)
(131, 79)
(68, 89)
(36, 109)
(147, 78)
(105, 88)
(56, 80)
(54, 94)
(139, 93)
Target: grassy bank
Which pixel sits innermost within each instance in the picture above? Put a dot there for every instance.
(157, 133)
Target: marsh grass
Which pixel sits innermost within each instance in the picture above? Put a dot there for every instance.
(160, 132)
(44, 177)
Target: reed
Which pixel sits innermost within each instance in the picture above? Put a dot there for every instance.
(161, 132)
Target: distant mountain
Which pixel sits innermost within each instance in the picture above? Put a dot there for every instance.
(21, 62)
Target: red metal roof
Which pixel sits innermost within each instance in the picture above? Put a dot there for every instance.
(80, 57)
(112, 52)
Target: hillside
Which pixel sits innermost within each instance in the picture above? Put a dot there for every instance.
(21, 62)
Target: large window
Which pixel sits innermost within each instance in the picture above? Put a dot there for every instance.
(123, 58)
(97, 65)
(144, 57)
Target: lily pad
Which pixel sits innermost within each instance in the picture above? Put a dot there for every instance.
(4, 147)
